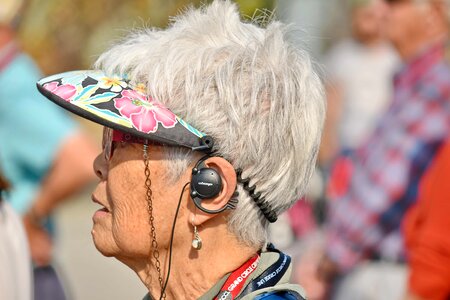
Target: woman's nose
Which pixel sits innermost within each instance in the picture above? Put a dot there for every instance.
(101, 167)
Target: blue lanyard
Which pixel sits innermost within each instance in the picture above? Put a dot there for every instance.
(271, 276)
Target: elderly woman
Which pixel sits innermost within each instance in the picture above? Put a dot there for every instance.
(211, 131)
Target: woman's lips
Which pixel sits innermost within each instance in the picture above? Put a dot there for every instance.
(95, 200)
(102, 212)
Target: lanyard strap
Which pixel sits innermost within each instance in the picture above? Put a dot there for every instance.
(271, 276)
(237, 279)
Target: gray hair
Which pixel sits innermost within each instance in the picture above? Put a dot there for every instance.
(248, 87)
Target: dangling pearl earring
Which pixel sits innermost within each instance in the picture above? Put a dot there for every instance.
(197, 241)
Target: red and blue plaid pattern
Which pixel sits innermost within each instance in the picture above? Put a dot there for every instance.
(372, 187)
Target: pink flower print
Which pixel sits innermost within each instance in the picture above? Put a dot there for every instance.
(144, 113)
(163, 115)
(130, 103)
(65, 91)
(145, 121)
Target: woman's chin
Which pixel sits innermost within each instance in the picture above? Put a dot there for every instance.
(105, 246)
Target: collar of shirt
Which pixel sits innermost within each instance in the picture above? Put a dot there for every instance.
(416, 67)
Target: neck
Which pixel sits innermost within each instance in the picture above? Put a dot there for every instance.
(409, 50)
(194, 272)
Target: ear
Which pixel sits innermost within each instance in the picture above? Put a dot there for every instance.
(229, 181)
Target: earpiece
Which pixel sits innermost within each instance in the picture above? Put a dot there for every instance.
(206, 183)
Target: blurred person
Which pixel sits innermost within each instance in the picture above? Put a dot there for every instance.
(427, 233)
(359, 89)
(43, 154)
(360, 70)
(372, 188)
(195, 202)
(15, 273)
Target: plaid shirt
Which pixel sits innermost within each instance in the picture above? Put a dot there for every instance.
(371, 188)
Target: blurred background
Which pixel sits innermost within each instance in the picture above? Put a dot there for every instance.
(62, 35)
(65, 35)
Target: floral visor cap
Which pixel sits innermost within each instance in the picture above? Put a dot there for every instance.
(117, 104)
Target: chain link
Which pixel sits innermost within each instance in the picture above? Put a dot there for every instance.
(149, 194)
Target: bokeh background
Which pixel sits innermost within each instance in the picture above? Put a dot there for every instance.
(64, 35)
(68, 34)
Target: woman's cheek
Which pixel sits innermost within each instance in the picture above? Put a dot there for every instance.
(129, 224)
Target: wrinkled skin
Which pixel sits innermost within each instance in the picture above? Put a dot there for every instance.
(124, 231)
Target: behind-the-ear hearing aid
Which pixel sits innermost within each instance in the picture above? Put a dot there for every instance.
(206, 183)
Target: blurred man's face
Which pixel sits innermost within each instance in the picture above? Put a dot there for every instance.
(368, 21)
(405, 21)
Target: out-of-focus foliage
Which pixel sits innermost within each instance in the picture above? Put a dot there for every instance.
(69, 34)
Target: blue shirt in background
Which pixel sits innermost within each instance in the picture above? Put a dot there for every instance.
(32, 130)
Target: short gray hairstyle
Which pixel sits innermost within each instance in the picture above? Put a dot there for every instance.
(248, 87)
